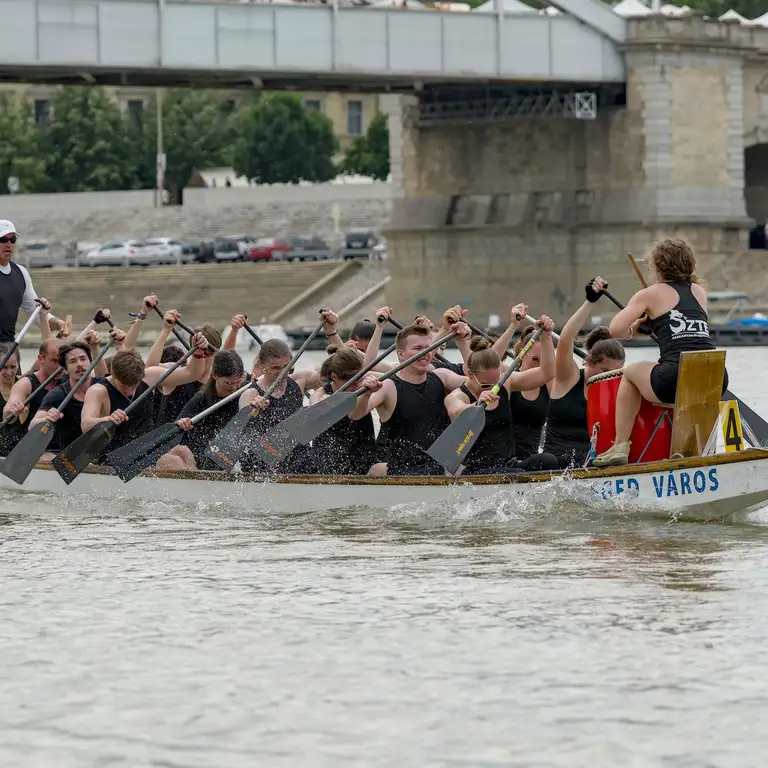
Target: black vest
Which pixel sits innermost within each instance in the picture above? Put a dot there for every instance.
(12, 289)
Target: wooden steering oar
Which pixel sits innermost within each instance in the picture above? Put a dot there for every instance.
(90, 445)
(22, 459)
(452, 447)
(755, 420)
(304, 425)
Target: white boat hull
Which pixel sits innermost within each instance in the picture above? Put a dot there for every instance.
(712, 487)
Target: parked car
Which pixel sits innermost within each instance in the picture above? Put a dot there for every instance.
(36, 255)
(233, 248)
(358, 244)
(200, 250)
(268, 248)
(166, 250)
(120, 253)
(75, 256)
(307, 248)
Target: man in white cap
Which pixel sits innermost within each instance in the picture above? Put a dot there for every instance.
(16, 290)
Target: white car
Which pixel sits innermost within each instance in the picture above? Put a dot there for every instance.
(116, 253)
(166, 250)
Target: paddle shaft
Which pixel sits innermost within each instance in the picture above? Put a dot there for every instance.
(275, 384)
(389, 374)
(639, 274)
(20, 335)
(174, 328)
(400, 327)
(612, 298)
(253, 333)
(359, 375)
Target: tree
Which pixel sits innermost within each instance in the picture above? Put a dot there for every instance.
(84, 143)
(197, 133)
(281, 141)
(19, 144)
(369, 154)
(749, 9)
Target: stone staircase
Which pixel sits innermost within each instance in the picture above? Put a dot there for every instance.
(201, 292)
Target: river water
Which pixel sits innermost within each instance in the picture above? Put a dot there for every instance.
(179, 636)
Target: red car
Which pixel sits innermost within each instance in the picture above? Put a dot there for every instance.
(267, 247)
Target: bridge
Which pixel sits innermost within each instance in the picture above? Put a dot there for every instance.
(303, 46)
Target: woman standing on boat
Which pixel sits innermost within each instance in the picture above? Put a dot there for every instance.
(676, 308)
(227, 375)
(348, 447)
(566, 435)
(494, 452)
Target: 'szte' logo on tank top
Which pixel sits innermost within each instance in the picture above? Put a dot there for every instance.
(683, 327)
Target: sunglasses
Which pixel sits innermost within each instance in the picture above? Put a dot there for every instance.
(8, 239)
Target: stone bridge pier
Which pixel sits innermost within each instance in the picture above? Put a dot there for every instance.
(494, 211)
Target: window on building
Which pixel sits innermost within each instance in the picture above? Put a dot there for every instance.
(42, 111)
(313, 104)
(354, 118)
(135, 110)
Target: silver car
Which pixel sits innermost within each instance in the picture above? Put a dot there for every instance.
(116, 253)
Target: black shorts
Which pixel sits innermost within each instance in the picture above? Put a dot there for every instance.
(664, 382)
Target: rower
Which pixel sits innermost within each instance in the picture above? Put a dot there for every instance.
(109, 396)
(288, 398)
(227, 376)
(566, 436)
(411, 405)
(47, 363)
(676, 309)
(9, 437)
(170, 398)
(348, 447)
(494, 452)
(75, 358)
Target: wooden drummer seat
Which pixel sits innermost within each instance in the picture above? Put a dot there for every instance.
(697, 401)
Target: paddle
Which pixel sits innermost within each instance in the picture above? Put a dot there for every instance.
(303, 426)
(451, 448)
(89, 446)
(22, 459)
(313, 421)
(755, 420)
(20, 335)
(225, 449)
(252, 332)
(175, 330)
(400, 327)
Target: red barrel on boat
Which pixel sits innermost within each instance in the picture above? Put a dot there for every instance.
(601, 409)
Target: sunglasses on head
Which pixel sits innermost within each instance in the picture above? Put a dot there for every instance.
(8, 239)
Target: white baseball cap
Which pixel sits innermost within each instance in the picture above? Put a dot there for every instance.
(7, 228)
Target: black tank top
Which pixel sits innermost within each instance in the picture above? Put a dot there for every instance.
(684, 328)
(200, 436)
(35, 403)
(139, 420)
(566, 434)
(12, 288)
(528, 416)
(418, 420)
(11, 433)
(280, 408)
(496, 445)
(166, 408)
(347, 448)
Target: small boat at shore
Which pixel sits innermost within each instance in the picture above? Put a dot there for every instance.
(707, 488)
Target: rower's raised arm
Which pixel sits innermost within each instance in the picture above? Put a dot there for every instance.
(155, 355)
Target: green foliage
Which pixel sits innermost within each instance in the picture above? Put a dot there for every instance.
(84, 143)
(369, 154)
(19, 144)
(198, 130)
(279, 140)
(750, 9)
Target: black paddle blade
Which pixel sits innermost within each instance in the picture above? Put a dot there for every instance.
(755, 420)
(305, 425)
(452, 447)
(273, 447)
(79, 454)
(225, 449)
(22, 459)
(143, 452)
